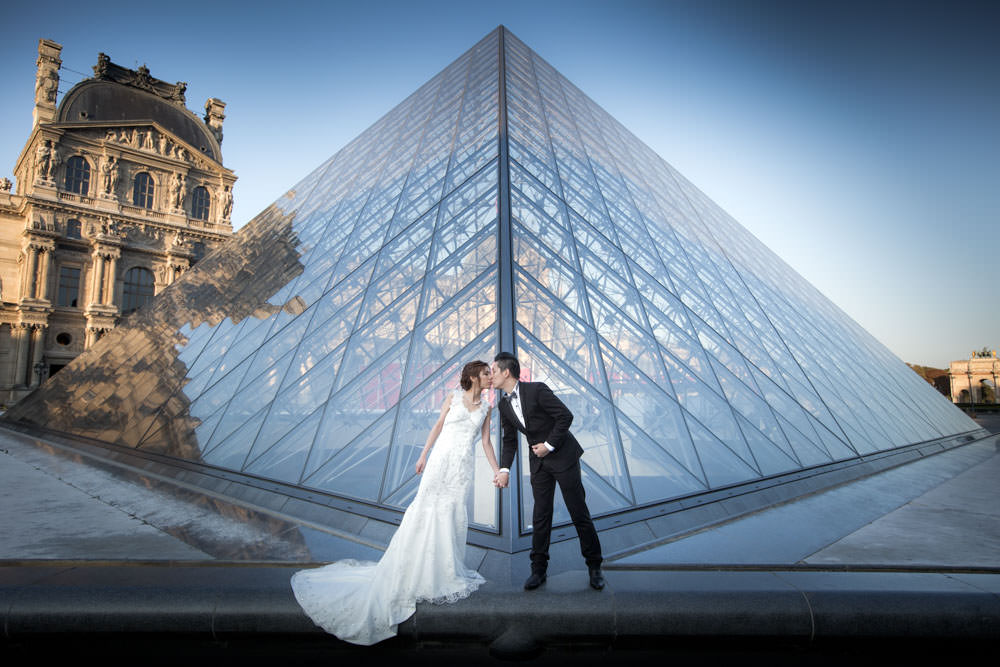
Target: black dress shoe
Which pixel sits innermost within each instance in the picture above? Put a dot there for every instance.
(534, 581)
(596, 578)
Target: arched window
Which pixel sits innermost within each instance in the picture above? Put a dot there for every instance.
(73, 229)
(986, 391)
(138, 288)
(200, 203)
(142, 190)
(77, 175)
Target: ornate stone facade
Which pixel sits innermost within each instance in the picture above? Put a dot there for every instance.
(974, 380)
(119, 190)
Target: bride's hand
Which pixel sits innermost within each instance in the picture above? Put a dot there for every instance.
(421, 463)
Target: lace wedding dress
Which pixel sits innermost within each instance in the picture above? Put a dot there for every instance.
(362, 602)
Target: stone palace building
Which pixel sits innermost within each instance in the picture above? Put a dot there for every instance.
(119, 190)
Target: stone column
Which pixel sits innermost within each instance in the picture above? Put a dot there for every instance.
(22, 335)
(996, 387)
(37, 350)
(109, 292)
(42, 283)
(30, 272)
(97, 288)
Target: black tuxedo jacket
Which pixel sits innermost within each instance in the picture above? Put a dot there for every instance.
(546, 419)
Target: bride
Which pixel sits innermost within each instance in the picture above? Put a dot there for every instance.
(363, 602)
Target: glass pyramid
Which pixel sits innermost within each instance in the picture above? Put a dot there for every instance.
(497, 207)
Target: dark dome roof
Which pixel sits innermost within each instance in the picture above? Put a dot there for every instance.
(96, 100)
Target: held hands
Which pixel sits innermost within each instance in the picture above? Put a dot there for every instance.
(501, 479)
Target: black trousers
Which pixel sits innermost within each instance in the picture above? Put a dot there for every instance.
(543, 487)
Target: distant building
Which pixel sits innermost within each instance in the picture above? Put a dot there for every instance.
(974, 380)
(119, 190)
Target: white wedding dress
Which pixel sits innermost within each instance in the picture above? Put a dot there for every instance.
(362, 602)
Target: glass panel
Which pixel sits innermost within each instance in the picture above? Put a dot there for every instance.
(284, 460)
(390, 286)
(551, 272)
(406, 242)
(232, 451)
(633, 343)
(679, 348)
(278, 345)
(331, 336)
(750, 406)
(471, 316)
(457, 227)
(246, 402)
(355, 407)
(722, 467)
(655, 475)
(373, 340)
(296, 402)
(460, 269)
(650, 409)
(559, 331)
(356, 470)
(769, 457)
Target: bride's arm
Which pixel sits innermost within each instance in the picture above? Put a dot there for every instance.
(487, 445)
(432, 436)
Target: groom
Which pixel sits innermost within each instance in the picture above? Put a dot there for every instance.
(553, 458)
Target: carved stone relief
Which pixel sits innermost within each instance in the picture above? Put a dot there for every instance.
(152, 141)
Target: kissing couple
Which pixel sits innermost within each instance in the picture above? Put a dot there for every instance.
(363, 602)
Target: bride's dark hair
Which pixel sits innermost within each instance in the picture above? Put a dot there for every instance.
(471, 370)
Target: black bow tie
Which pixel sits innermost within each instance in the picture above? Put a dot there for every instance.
(512, 395)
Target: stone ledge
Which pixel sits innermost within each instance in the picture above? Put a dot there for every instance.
(214, 600)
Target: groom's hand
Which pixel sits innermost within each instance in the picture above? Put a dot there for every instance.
(540, 449)
(501, 480)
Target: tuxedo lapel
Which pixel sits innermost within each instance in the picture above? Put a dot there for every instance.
(511, 413)
(508, 410)
(527, 395)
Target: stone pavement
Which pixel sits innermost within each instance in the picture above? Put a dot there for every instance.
(909, 553)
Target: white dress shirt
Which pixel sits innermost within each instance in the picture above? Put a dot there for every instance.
(515, 402)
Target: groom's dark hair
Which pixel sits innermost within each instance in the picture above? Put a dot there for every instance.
(508, 362)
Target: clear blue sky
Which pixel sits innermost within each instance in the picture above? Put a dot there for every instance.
(859, 140)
